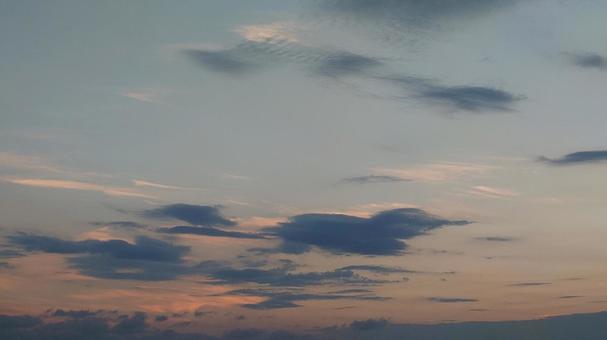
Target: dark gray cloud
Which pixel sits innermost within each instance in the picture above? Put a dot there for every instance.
(161, 318)
(74, 313)
(107, 267)
(283, 276)
(144, 248)
(575, 326)
(374, 179)
(376, 269)
(450, 299)
(224, 61)
(471, 98)
(580, 157)
(529, 284)
(346, 63)
(496, 239)
(209, 231)
(369, 324)
(278, 299)
(202, 215)
(380, 234)
(147, 259)
(135, 323)
(589, 60)
(398, 17)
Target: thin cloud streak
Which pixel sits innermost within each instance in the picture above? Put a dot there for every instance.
(75, 185)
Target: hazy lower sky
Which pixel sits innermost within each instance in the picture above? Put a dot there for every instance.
(253, 166)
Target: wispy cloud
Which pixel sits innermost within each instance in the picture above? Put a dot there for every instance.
(436, 172)
(588, 60)
(273, 31)
(142, 183)
(491, 192)
(75, 185)
(142, 96)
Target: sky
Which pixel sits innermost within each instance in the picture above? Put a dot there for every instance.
(316, 169)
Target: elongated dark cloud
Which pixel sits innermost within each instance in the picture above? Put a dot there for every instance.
(374, 179)
(74, 313)
(589, 60)
(121, 224)
(380, 234)
(530, 284)
(450, 299)
(376, 269)
(346, 63)
(285, 277)
(471, 98)
(369, 324)
(581, 157)
(224, 61)
(144, 248)
(496, 239)
(202, 215)
(147, 259)
(209, 231)
(289, 298)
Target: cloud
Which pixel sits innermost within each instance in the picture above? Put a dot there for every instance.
(224, 61)
(209, 231)
(394, 15)
(573, 326)
(374, 179)
(202, 215)
(75, 185)
(436, 172)
(276, 31)
(369, 324)
(288, 298)
(376, 269)
(284, 276)
(529, 284)
(491, 192)
(450, 299)
(144, 248)
(380, 234)
(589, 60)
(121, 224)
(142, 96)
(496, 239)
(471, 98)
(580, 157)
(74, 313)
(133, 324)
(142, 183)
(346, 63)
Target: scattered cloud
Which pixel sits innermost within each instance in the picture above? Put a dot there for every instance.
(450, 299)
(374, 179)
(589, 60)
(144, 248)
(142, 96)
(201, 215)
(369, 324)
(278, 299)
(380, 234)
(580, 157)
(529, 284)
(496, 239)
